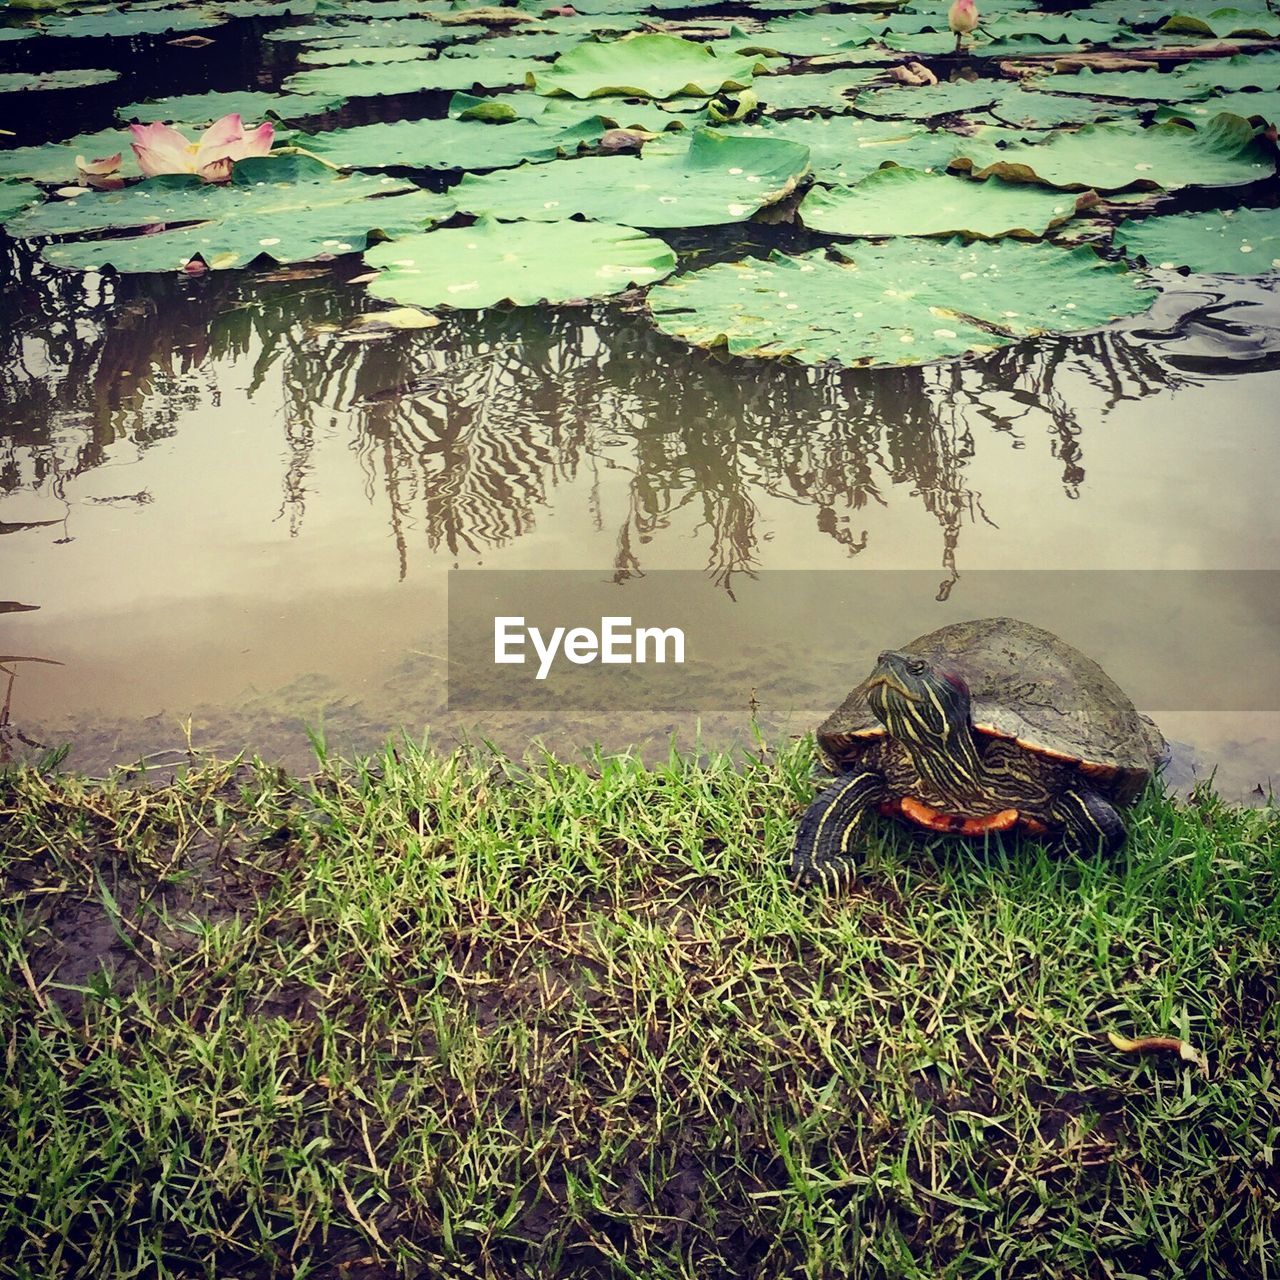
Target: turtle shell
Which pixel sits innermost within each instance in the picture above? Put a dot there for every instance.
(1029, 686)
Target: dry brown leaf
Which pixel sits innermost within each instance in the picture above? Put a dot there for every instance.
(1160, 1044)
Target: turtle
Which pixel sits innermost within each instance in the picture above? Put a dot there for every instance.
(981, 726)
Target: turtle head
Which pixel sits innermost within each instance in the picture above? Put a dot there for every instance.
(919, 704)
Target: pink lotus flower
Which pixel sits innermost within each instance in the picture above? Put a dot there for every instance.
(962, 19)
(160, 148)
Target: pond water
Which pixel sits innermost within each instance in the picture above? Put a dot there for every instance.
(229, 517)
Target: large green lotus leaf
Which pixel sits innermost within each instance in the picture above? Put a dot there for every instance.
(934, 44)
(813, 91)
(648, 66)
(1049, 28)
(131, 22)
(1223, 152)
(286, 208)
(523, 44)
(362, 81)
(907, 202)
(1242, 242)
(711, 179)
(1026, 109)
(450, 144)
(200, 109)
(1250, 105)
(16, 196)
(13, 81)
(258, 9)
(811, 35)
(901, 302)
(1222, 20)
(1261, 71)
(55, 162)
(562, 113)
(845, 149)
(922, 102)
(520, 262)
(1131, 86)
(393, 32)
(341, 55)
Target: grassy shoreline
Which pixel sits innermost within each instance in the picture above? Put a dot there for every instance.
(435, 1014)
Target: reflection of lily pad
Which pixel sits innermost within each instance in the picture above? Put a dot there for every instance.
(365, 81)
(713, 178)
(650, 66)
(13, 81)
(922, 102)
(449, 144)
(903, 302)
(1242, 242)
(199, 109)
(286, 208)
(520, 262)
(906, 202)
(1110, 157)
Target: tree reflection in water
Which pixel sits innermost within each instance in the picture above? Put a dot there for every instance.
(466, 430)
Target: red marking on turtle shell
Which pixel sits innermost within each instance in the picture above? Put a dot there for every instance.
(931, 819)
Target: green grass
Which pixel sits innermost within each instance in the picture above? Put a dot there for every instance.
(445, 1015)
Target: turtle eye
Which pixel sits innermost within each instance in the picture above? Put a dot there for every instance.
(917, 666)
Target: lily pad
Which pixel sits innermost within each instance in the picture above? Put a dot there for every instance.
(131, 22)
(713, 178)
(845, 149)
(902, 302)
(200, 109)
(1260, 71)
(562, 113)
(814, 91)
(1247, 104)
(923, 102)
(650, 66)
(393, 32)
(284, 207)
(450, 144)
(1242, 242)
(1027, 109)
(55, 162)
(363, 81)
(906, 202)
(13, 81)
(343, 55)
(812, 35)
(520, 262)
(1131, 86)
(1223, 152)
(16, 196)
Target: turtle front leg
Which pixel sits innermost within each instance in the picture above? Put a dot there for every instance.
(1089, 822)
(830, 823)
